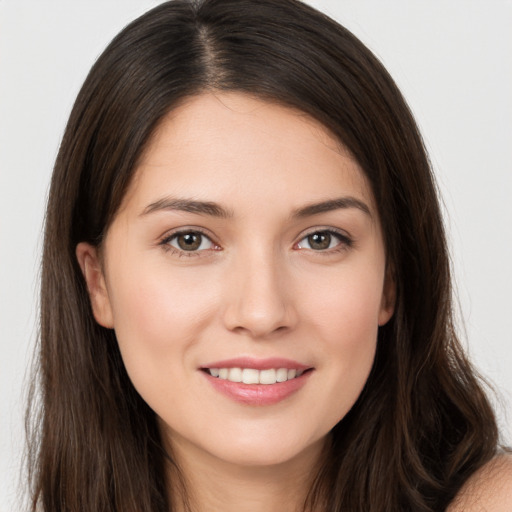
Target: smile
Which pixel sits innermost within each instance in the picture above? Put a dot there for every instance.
(254, 376)
(257, 382)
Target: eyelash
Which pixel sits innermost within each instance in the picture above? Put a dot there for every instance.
(345, 242)
(166, 243)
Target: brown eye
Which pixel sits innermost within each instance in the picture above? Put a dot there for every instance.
(190, 241)
(319, 241)
(324, 241)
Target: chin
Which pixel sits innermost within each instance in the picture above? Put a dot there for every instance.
(264, 450)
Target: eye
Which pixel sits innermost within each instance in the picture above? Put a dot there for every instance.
(323, 241)
(189, 241)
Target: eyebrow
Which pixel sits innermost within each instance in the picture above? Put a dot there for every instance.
(188, 205)
(215, 210)
(330, 205)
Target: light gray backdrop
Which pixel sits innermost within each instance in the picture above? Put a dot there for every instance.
(451, 58)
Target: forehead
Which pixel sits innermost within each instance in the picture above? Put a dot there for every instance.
(237, 147)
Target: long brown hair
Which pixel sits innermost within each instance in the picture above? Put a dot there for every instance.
(422, 424)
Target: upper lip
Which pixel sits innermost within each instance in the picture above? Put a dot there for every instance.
(257, 364)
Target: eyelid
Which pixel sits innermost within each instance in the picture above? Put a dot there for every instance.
(165, 239)
(346, 241)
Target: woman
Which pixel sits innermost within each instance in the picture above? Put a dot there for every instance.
(245, 289)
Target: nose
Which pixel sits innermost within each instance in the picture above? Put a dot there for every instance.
(259, 301)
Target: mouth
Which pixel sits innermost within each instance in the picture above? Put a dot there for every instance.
(257, 382)
(254, 376)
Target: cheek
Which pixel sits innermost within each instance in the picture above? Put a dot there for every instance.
(157, 318)
(158, 302)
(344, 323)
(351, 334)
(345, 305)
(354, 313)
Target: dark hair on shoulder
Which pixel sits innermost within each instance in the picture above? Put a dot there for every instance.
(422, 424)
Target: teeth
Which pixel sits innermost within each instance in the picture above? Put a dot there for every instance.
(252, 376)
(235, 375)
(282, 375)
(268, 376)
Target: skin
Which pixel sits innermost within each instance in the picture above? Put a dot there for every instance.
(256, 287)
(488, 490)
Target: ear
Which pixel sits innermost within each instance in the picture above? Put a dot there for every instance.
(388, 301)
(89, 261)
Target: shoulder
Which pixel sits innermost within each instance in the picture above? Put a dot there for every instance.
(488, 490)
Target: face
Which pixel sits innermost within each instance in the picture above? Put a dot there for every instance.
(245, 278)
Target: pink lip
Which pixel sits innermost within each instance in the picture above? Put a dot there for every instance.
(257, 364)
(257, 394)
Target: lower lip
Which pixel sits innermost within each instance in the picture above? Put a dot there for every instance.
(258, 394)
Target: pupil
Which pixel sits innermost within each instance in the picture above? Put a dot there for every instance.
(319, 240)
(189, 241)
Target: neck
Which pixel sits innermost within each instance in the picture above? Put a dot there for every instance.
(213, 484)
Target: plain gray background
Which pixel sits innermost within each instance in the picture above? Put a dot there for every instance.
(451, 58)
